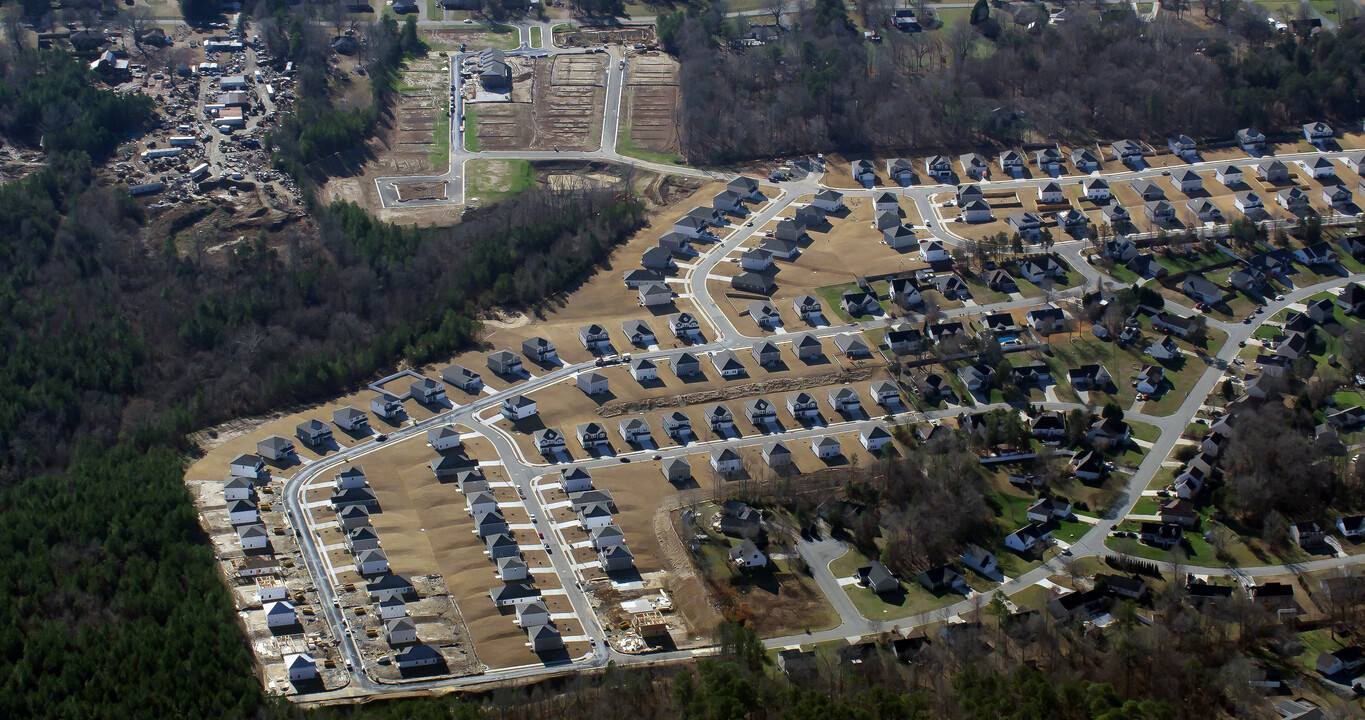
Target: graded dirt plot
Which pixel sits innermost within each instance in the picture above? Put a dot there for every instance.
(421, 191)
(504, 126)
(473, 38)
(652, 85)
(566, 101)
(570, 36)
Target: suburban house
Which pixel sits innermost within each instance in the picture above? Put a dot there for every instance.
(752, 282)
(427, 391)
(1200, 289)
(1038, 269)
(1228, 175)
(825, 447)
(1187, 181)
(1171, 323)
(1273, 172)
(1046, 320)
(1116, 215)
(807, 347)
(673, 243)
(594, 337)
(280, 614)
(1352, 298)
(746, 188)
(1249, 204)
(1051, 194)
(1087, 466)
(539, 350)
(400, 631)
(904, 340)
(1001, 281)
(856, 302)
(1127, 151)
(941, 332)
(1180, 511)
(462, 378)
(301, 667)
(643, 370)
(1160, 534)
(877, 578)
(1012, 163)
(518, 407)
(852, 346)
(1248, 279)
(1164, 349)
(1183, 147)
(639, 278)
(808, 308)
(682, 324)
(899, 237)
(594, 515)
(443, 438)
(1341, 662)
(1317, 133)
(885, 393)
(415, 656)
(544, 639)
(760, 412)
(1072, 221)
(372, 562)
(1321, 168)
(1028, 538)
(726, 461)
(1047, 509)
(1148, 190)
(1049, 160)
(238, 488)
(676, 469)
(940, 579)
(864, 173)
(1294, 200)
(1146, 265)
(593, 436)
(747, 555)
(976, 211)
(1085, 160)
(686, 365)
(832, 201)
(638, 333)
(593, 383)
(247, 466)
(874, 438)
(1097, 190)
(313, 432)
(977, 377)
(1251, 140)
(275, 448)
(933, 252)
(349, 418)
(720, 418)
(803, 406)
(756, 260)
(727, 363)
(617, 558)
(727, 201)
(766, 353)
(1027, 224)
(1159, 212)
(386, 406)
(448, 465)
(901, 171)
(1356, 162)
(951, 286)
(979, 559)
(844, 399)
(974, 166)
(1307, 534)
(1337, 195)
(1049, 425)
(1320, 311)
(549, 441)
(776, 455)
(1150, 379)
(252, 536)
(938, 167)
(885, 202)
(1352, 526)
(505, 362)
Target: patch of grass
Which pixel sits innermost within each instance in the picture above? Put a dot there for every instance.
(440, 149)
(1069, 531)
(831, 294)
(984, 295)
(494, 180)
(471, 128)
(953, 16)
(435, 11)
(535, 37)
(627, 147)
(1121, 274)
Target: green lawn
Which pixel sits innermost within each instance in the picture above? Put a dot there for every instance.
(831, 295)
(535, 37)
(440, 149)
(627, 147)
(953, 16)
(493, 180)
(984, 295)
(1121, 274)
(435, 11)
(471, 128)
(1069, 531)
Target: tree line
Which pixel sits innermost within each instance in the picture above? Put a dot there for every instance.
(821, 87)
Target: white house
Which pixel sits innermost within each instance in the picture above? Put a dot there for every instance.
(874, 438)
(238, 488)
(803, 406)
(1228, 175)
(1248, 203)
(400, 631)
(250, 466)
(979, 559)
(747, 555)
(652, 294)
(532, 614)
(933, 251)
(518, 407)
(830, 200)
(756, 260)
(644, 370)
(372, 562)
(844, 399)
(385, 405)
(427, 390)
(825, 447)
(635, 430)
(885, 393)
(575, 480)
(280, 614)
(275, 448)
(1051, 194)
(726, 461)
(444, 438)
(886, 202)
(241, 512)
(1321, 168)
(353, 476)
(253, 536)
(1187, 181)
(417, 656)
(592, 435)
(593, 383)
(300, 667)
(349, 418)
(1097, 190)
(1317, 132)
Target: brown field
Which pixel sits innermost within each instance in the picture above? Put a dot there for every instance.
(627, 35)
(566, 104)
(421, 191)
(651, 84)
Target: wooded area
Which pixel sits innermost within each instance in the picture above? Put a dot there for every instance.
(51, 99)
(821, 87)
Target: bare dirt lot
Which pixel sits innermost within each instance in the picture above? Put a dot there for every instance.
(651, 86)
(567, 97)
(577, 37)
(421, 191)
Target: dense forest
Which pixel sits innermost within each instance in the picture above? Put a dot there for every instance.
(820, 86)
(51, 99)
